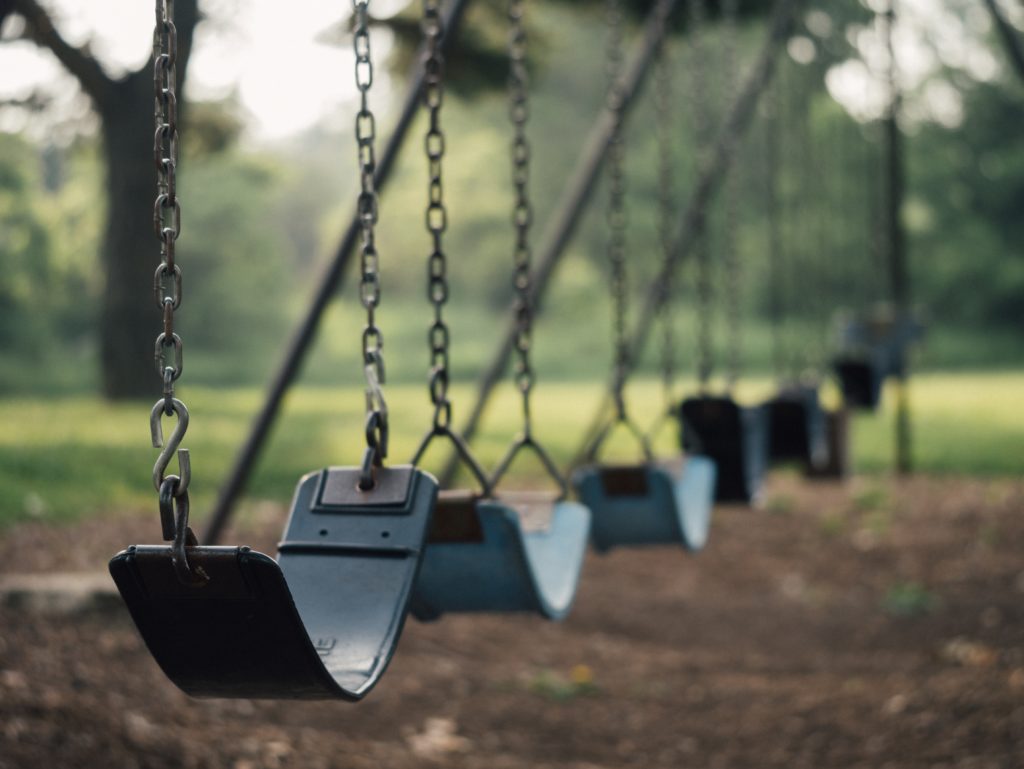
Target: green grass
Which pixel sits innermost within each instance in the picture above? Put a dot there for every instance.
(63, 458)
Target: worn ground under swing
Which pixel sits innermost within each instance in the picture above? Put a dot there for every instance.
(876, 624)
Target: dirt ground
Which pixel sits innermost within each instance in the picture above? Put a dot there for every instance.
(873, 624)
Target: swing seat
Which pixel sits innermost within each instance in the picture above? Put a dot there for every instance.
(521, 552)
(320, 622)
(837, 443)
(872, 351)
(734, 437)
(796, 427)
(649, 504)
(860, 380)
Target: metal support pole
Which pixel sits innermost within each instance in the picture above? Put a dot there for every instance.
(329, 283)
(899, 279)
(562, 224)
(740, 117)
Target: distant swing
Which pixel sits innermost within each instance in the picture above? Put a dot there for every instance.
(488, 552)
(649, 502)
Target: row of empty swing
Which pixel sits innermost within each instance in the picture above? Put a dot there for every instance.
(366, 546)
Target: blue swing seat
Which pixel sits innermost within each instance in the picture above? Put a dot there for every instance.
(521, 552)
(735, 437)
(650, 503)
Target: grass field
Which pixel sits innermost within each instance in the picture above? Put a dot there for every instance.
(61, 459)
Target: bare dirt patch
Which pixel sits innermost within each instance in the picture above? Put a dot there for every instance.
(874, 624)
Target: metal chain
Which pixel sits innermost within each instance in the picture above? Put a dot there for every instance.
(167, 207)
(663, 94)
(522, 212)
(702, 129)
(729, 242)
(367, 207)
(773, 151)
(616, 212)
(172, 490)
(436, 215)
(167, 284)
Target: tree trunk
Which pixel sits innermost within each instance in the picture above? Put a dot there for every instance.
(130, 318)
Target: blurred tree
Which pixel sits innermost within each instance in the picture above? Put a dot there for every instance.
(24, 250)
(124, 107)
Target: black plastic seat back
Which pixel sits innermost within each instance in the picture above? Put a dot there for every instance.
(322, 622)
(796, 427)
(735, 437)
(860, 381)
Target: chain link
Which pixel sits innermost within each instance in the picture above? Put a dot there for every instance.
(439, 337)
(702, 130)
(616, 211)
(663, 93)
(167, 207)
(168, 350)
(367, 209)
(522, 212)
(734, 286)
(773, 152)
(172, 490)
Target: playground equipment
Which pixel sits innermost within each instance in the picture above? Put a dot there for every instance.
(646, 502)
(480, 556)
(715, 425)
(324, 619)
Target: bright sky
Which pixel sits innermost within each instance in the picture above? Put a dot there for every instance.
(288, 74)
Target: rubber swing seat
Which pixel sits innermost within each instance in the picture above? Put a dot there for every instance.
(320, 622)
(860, 380)
(650, 503)
(521, 552)
(735, 437)
(797, 427)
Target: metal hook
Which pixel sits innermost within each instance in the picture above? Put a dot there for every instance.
(173, 503)
(157, 432)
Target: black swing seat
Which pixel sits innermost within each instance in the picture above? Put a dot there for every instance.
(860, 379)
(871, 350)
(519, 552)
(797, 427)
(649, 503)
(320, 622)
(735, 437)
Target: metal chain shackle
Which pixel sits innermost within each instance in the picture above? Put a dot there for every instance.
(369, 260)
(702, 130)
(436, 214)
(522, 212)
(616, 211)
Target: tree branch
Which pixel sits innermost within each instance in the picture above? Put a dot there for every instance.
(1009, 36)
(84, 67)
